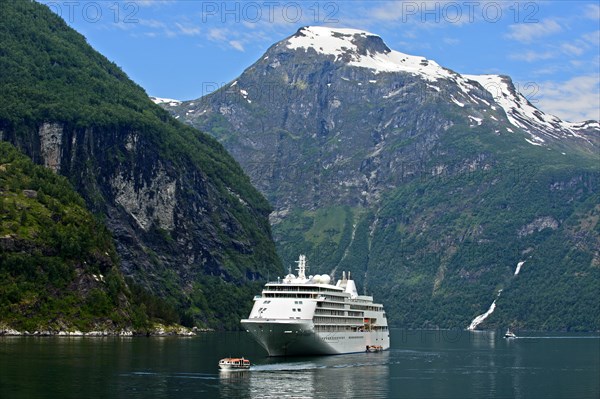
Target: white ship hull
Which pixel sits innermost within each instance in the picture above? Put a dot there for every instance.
(296, 338)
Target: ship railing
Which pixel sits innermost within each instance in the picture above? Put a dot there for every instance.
(338, 323)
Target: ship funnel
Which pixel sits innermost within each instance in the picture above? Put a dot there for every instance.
(351, 289)
(343, 281)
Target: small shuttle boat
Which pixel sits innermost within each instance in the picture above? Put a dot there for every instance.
(234, 363)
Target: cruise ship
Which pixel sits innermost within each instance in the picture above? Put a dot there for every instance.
(301, 315)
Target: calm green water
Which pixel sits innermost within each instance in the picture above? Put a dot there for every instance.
(421, 364)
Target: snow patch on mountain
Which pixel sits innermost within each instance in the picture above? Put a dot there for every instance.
(522, 114)
(455, 101)
(344, 44)
(476, 120)
(168, 101)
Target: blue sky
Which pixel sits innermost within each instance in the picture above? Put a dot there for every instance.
(182, 49)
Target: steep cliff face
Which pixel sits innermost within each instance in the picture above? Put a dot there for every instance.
(429, 185)
(183, 213)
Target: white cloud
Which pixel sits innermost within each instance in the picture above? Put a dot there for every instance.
(451, 41)
(390, 12)
(232, 39)
(572, 48)
(188, 30)
(236, 44)
(531, 56)
(152, 23)
(530, 32)
(592, 37)
(217, 34)
(574, 100)
(547, 70)
(592, 11)
(153, 3)
(409, 35)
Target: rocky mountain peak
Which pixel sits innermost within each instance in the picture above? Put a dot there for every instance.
(338, 41)
(361, 49)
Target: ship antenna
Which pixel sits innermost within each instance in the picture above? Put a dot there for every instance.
(301, 267)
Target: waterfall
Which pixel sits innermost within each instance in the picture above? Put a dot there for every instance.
(479, 319)
(519, 267)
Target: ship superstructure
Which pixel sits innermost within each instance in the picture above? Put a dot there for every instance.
(302, 315)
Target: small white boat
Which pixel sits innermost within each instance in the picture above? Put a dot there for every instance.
(234, 363)
(509, 334)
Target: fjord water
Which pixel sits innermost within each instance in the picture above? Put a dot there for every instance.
(420, 364)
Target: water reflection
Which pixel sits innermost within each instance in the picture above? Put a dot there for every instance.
(363, 375)
(234, 384)
(421, 364)
(483, 339)
(483, 363)
(516, 371)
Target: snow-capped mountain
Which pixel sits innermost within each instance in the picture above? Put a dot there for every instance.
(361, 49)
(366, 50)
(423, 182)
(345, 92)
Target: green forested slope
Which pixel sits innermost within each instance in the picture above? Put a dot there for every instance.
(58, 265)
(183, 214)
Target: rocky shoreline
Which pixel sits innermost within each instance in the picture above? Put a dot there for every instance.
(157, 330)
